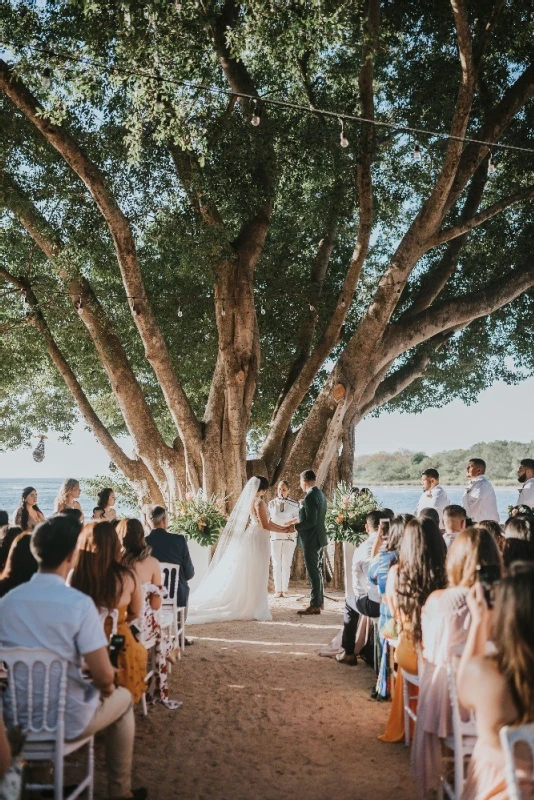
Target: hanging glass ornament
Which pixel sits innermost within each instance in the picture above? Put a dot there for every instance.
(39, 452)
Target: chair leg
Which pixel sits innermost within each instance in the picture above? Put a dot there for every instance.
(59, 765)
(91, 769)
(406, 703)
(143, 704)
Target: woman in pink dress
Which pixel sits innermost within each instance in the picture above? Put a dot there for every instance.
(499, 687)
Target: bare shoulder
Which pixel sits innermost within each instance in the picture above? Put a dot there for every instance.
(432, 604)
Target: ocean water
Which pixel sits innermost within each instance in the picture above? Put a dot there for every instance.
(402, 499)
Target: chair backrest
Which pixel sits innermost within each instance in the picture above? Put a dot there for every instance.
(114, 614)
(510, 737)
(170, 574)
(37, 691)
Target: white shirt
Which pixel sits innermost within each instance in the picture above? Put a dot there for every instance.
(449, 538)
(436, 498)
(281, 511)
(526, 494)
(480, 501)
(360, 565)
(46, 613)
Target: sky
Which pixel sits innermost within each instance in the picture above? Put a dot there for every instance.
(502, 412)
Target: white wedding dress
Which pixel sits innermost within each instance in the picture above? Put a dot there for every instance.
(235, 585)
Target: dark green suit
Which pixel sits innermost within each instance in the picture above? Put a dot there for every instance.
(312, 538)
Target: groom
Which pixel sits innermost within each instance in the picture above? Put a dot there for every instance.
(312, 538)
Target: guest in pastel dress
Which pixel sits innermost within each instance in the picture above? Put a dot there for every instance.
(28, 514)
(99, 573)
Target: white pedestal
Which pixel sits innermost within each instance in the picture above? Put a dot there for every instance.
(348, 552)
(200, 556)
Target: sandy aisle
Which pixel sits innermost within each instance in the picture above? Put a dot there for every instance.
(265, 717)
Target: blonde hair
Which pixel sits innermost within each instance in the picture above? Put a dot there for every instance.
(471, 547)
(68, 486)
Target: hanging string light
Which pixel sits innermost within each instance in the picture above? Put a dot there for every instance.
(417, 154)
(180, 313)
(343, 141)
(491, 165)
(46, 78)
(256, 113)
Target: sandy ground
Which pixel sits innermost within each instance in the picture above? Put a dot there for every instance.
(265, 717)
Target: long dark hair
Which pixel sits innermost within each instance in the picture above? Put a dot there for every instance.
(132, 537)
(5, 545)
(421, 571)
(20, 564)
(98, 571)
(103, 498)
(22, 512)
(264, 483)
(513, 635)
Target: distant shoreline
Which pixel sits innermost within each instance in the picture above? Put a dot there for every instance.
(410, 484)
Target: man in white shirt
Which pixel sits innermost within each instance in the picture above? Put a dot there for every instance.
(47, 613)
(434, 495)
(479, 499)
(366, 598)
(454, 520)
(525, 475)
(283, 511)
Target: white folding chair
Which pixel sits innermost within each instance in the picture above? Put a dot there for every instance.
(37, 687)
(510, 737)
(408, 679)
(114, 614)
(171, 574)
(462, 741)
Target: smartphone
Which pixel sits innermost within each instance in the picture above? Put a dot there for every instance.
(116, 643)
(489, 576)
(383, 527)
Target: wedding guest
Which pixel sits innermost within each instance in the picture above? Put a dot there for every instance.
(525, 475)
(434, 495)
(5, 750)
(47, 613)
(518, 540)
(429, 513)
(20, 565)
(99, 573)
(454, 521)
(137, 555)
(284, 512)
(28, 514)
(4, 522)
(74, 513)
(496, 531)
(171, 548)
(106, 502)
(479, 499)
(5, 543)
(498, 687)
(445, 623)
(419, 573)
(98, 514)
(361, 561)
(68, 496)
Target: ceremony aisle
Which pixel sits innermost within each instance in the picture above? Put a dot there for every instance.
(265, 717)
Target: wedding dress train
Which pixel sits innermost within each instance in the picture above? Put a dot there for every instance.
(235, 585)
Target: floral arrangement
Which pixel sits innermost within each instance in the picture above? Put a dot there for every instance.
(199, 517)
(346, 513)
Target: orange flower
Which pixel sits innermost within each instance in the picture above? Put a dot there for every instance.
(346, 502)
(201, 524)
(340, 518)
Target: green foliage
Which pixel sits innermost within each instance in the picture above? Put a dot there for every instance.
(502, 460)
(124, 492)
(346, 514)
(200, 518)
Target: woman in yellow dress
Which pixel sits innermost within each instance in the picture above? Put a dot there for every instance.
(98, 572)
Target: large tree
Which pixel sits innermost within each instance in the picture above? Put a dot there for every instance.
(211, 287)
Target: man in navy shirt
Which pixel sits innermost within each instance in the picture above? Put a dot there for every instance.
(171, 548)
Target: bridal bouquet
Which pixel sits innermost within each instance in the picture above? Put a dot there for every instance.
(345, 517)
(199, 517)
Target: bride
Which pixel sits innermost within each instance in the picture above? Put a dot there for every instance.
(235, 585)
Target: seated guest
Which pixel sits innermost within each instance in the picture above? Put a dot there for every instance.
(171, 548)
(519, 544)
(419, 573)
(496, 531)
(10, 534)
(28, 514)
(430, 513)
(433, 496)
(68, 496)
(4, 522)
(360, 603)
(75, 513)
(106, 501)
(20, 566)
(136, 554)
(45, 612)
(445, 623)
(98, 572)
(454, 521)
(498, 687)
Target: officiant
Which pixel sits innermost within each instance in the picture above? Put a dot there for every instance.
(282, 511)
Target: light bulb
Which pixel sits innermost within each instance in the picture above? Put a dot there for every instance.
(46, 78)
(343, 304)
(255, 120)
(256, 114)
(180, 312)
(491, 166)
(223, 311)
(417, 154)
(262, 311)
(79, 306)
(343, 141)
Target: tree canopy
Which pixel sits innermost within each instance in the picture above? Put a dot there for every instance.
(209, 286)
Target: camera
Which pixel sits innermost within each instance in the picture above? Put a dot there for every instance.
(489, 576)
(116, 643)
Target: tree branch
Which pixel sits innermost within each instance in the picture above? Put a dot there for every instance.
(155, 347)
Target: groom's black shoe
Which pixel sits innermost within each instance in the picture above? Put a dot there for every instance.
(307, 612)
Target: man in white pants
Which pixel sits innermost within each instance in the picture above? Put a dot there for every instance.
(283, 511)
